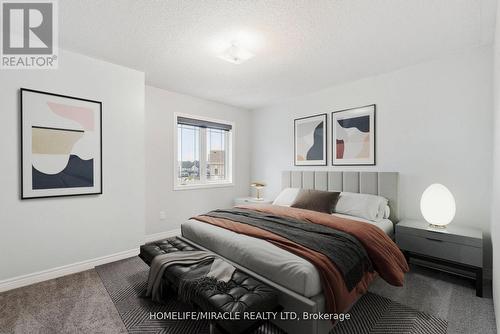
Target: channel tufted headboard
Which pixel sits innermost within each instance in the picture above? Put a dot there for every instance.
(384, 184)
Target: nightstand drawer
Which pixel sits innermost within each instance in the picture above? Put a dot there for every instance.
(441, 249)
(469, 238)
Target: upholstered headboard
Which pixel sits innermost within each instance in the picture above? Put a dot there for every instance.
(384, 184)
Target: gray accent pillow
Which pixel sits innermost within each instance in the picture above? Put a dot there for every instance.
(316, 200)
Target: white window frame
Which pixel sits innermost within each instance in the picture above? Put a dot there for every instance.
(229, 157)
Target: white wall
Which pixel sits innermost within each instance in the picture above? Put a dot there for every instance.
(182, 204)
(495, 203)
(433, 125)
(41, 234)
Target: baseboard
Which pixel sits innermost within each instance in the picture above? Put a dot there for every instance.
(24, 280)
(162, 235)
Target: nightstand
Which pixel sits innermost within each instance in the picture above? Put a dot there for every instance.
(251, 200)
(454, 247)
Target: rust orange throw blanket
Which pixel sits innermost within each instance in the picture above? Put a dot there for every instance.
(387, 259)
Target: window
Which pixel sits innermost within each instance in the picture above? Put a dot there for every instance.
(203, 152)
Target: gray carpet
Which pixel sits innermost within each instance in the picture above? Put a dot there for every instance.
(374, 314)
(445, 296)
(75, 303)
(126, 281)
(79, 303)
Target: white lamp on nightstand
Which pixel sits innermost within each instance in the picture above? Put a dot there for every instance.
(438, 205)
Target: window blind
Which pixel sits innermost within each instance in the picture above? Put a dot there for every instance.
(203, 124)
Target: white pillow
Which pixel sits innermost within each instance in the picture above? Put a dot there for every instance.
(365, 206)
(287, 197)
(387, 212)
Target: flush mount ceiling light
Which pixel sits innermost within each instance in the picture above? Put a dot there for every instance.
(236, 54)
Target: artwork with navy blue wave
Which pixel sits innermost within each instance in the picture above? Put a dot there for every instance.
(61, 141)
(353, 136)
(78, 173)
(362, 123)
(310, 141)
(316, 150)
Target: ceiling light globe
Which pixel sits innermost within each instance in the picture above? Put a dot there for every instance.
(438, 205)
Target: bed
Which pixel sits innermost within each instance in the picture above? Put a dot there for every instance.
(296, 278)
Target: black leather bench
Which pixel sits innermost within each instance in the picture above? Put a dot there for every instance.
(246, 294)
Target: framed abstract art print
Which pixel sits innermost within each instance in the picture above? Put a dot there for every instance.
(310, 141)
(61, 145)
(353, 136)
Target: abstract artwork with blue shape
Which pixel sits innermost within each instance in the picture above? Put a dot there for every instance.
(353, 136)
(310, 140)
(61, 142)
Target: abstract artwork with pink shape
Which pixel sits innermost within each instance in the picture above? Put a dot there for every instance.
(82, 115)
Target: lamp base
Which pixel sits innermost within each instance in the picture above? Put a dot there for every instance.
(440, 227)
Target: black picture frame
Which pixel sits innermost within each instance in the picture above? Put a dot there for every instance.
(333, 136)
(28, 90)
(325, 140)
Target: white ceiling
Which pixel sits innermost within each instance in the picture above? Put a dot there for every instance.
(301, 46)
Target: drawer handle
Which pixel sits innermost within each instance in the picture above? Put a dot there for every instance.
(434, 239)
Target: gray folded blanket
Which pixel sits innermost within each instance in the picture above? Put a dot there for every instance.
(219, 274)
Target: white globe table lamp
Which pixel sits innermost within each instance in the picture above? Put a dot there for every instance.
(438, 205)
